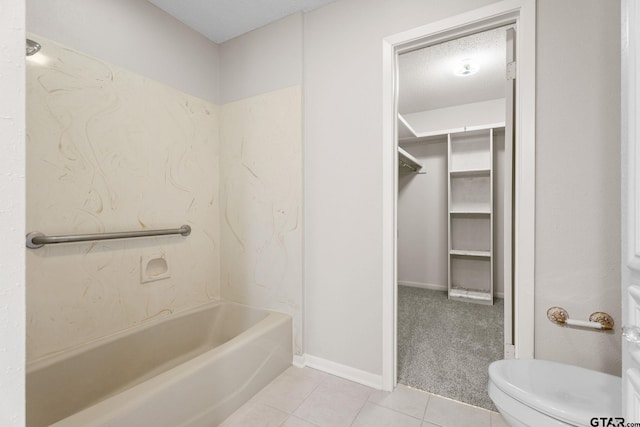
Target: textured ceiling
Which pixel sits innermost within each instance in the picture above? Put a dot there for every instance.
(221, 20)
(426, 78)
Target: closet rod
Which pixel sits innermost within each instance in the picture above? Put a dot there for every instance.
(407, 160)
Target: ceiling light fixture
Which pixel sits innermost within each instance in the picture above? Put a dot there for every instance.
(466, 67)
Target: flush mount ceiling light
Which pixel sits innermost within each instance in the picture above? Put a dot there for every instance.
(466, 67)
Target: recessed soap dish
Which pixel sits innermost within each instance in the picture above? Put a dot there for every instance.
(154, 267)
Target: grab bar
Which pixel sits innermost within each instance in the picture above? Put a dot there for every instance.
(35, 239)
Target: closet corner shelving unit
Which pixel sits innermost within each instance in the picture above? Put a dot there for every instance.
(470, 219)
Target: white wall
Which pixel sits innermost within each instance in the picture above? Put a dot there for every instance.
(12, 205)
(343, 177)
(133, 34)
(578, 178)
(263, 60)
(422, 216)
(578, 226)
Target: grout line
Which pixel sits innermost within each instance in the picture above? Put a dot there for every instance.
(359, 411)
(361, 407)
(462, 403)
(396, 411)
(305, 399)
(424, 414)
(299, 418)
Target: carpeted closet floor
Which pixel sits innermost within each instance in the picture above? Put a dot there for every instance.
(445, 347)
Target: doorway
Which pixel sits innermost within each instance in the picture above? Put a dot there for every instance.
(454, 214)
(520, 14)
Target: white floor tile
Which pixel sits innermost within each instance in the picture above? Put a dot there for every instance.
(334, 403)
(373, 415)
(403, 399)
(309, 373)
(318, 399)
(449, 413)
(255, 414)
(497, 420)
(293, 421)
(290, 389)
(348, 387)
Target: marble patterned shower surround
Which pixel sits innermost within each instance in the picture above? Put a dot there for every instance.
(110, 150)
(261, 203)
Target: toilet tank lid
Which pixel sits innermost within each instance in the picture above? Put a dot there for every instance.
(565, 392)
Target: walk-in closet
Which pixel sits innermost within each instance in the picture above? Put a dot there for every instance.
(454, 214)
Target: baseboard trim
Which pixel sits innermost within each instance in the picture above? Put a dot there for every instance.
(343, 371)
(430, 286)
(434, 287)
(299, 361)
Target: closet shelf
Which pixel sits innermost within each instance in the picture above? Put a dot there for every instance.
(470, 172)
(459, 252)
(469, 212)
(470, 160)
(407, 160)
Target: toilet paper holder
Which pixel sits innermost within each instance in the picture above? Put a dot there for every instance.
(597, 320)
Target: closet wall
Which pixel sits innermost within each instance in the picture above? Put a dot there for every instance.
(422, 216)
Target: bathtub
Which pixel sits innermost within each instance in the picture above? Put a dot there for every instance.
(190, 369)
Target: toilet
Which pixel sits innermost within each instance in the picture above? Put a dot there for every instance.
(538, 393)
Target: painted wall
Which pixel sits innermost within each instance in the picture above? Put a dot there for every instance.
(577, 188)
(110, 150)
(263, 60)
(343, 177)
(12, 205)
(578, 178)
(261, 187)
(133, 34)
(422, 216)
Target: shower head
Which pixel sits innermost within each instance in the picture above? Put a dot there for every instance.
(32, 47)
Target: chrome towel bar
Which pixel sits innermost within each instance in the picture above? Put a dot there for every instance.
(35, 239)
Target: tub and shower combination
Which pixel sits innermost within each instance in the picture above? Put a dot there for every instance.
(192, 369)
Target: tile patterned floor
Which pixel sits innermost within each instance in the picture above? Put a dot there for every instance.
(310, 398)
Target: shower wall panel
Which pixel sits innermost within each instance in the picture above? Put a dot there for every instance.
(261, 203)
(110, 150)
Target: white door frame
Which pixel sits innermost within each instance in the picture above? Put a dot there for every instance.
(523, 13)
(630, 201)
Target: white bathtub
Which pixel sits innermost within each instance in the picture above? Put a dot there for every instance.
(191, 369)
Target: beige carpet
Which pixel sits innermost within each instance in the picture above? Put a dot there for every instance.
(445, 347)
